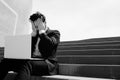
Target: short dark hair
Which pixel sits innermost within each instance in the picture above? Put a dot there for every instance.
(37, 15)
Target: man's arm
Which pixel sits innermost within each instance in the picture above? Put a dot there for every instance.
(52, 40)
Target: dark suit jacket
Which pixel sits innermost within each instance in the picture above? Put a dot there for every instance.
(48, 46)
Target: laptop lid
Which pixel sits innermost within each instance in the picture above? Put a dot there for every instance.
(18, 47)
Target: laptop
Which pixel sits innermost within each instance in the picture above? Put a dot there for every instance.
(18, 47)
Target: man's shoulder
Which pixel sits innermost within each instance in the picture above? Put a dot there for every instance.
(53, 31)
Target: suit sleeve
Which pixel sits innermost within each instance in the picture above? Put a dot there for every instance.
(52, 40)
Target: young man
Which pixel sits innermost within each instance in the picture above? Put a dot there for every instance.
(44, 45)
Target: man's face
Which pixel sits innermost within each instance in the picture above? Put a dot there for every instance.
(38, 25)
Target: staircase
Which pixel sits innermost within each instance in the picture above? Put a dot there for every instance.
(98, 57)
(90, 58)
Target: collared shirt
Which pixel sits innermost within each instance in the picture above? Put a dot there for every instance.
(37, 53)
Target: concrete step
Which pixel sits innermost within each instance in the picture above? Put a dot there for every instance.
(89, 59)
(89, 52)
(90, 70)
(99, 46)
(63, 77)
(80, 71)
(89, 46)
(89, 49)
(93, 40)
(80, 43)
(11, 76)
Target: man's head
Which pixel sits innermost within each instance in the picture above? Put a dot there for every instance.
(38, 21)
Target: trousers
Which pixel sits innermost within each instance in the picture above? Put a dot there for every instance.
(24, 68)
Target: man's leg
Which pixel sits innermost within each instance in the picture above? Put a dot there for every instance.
(23, 71)
(39, 68)
(4, 68)
(26, 68)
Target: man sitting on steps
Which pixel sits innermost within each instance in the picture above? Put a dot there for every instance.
(44, 44)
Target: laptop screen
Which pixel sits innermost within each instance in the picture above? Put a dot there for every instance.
(18, 47)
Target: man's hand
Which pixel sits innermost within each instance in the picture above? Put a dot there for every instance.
(33, 26)
(41, 25)
(34, 30)
(33, 33)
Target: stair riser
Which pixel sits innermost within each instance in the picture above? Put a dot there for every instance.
(92, 46)
(88, 52)
(90, 71)
(89, 60)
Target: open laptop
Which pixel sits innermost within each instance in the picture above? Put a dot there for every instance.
(18, 47)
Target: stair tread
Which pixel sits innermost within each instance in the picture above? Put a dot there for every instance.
(109, 65)
(74, 77)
